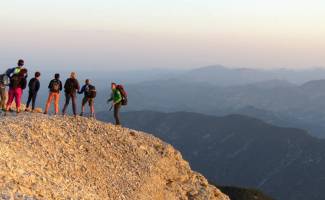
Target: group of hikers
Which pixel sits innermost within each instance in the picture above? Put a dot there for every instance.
(16, 79)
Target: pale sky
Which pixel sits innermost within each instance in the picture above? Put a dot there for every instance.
(133, 34)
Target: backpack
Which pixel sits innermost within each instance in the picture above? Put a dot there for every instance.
(70, 86)
(14, 70)
(55, 86)
(90, 91)
(123, 94)
(15, 81)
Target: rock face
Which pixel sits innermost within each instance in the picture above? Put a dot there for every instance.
(55, 157)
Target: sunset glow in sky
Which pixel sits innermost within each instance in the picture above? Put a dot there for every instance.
(136, 34)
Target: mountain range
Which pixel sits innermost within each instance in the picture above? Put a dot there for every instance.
(301, 106)
(278, 96)
(236, 150)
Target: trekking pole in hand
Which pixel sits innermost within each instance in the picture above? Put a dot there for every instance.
(110, 109)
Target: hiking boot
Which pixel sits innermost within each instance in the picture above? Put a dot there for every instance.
(45, 113)
(81, 114)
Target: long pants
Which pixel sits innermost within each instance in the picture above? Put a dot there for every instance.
(67, 101)
(31, 98)
(3, 98)
(56, 97)
(117, 108)
(14, 93)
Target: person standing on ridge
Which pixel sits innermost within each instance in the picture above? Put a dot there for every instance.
(17, 84)
(34, 86)
(71, 87)
(116, 98)
(89, 97)
(4, 82)
(55, 87)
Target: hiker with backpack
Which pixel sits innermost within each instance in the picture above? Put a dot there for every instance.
(89, 97)
(55, 87)
(71, 87)
(34, 86)
(4, 82)
(17, 84)
(10, 72)
(119, 98)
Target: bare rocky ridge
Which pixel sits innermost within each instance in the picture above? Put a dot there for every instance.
(55, 157)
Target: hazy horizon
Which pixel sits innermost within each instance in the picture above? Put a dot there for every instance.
(179, 34)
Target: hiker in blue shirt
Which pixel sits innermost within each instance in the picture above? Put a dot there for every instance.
(89, 92)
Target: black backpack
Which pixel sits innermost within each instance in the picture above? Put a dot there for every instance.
(15, 81)
(70, 86)
(55, 86)
(90, 91)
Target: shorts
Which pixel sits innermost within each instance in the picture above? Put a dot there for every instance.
(89, 100)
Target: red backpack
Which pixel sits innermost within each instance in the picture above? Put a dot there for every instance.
(124, 94)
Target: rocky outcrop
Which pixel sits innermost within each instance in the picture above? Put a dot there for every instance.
(55, 157)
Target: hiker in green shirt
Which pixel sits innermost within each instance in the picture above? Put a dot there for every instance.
(116, 97)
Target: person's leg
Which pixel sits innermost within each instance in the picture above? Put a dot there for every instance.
(30, 95)
(117, 113)
(3, 98)
(74, 104)
(67, 101)
(83, 103)
(48, 102)
(56, 102)
(18, 95)
(91, 106)
(34, 100)
(10, 98)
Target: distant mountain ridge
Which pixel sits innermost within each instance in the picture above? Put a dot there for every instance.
(301, 106)
(285, 163)
(226, 76)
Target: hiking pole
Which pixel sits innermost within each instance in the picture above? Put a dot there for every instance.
(110, 109)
